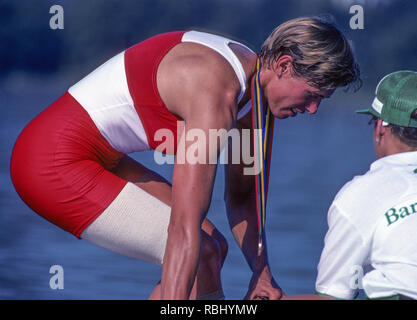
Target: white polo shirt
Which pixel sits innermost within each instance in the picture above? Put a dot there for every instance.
(373, 229)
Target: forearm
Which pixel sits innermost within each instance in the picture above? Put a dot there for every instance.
(244, 225)
(243, 220)
(180, 262)
(184, 231)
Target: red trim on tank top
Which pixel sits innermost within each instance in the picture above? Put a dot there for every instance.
(141, 62)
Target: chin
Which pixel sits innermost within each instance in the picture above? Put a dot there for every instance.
(279, 115)
(282, 116)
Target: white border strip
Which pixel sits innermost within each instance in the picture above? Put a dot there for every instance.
(377, 105)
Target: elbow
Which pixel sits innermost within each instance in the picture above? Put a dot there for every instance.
(183, 233)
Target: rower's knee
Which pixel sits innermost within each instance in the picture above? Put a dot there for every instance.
(214, 249)
(223, 245)
(210, 251)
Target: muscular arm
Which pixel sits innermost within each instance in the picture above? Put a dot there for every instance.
(240, 198)
(200, 94)
(192, 190)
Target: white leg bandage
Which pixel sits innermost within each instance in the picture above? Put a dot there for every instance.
(135, 224)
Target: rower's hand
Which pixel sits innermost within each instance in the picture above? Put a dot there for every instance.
(262, 286)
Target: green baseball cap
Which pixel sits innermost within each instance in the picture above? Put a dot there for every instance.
(396, 99)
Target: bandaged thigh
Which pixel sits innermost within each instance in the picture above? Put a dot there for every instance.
(135, 224)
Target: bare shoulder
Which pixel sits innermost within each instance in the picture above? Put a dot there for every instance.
(192, 73)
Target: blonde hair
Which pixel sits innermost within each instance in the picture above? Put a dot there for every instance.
(321, 54)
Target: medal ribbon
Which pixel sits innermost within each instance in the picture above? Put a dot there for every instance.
(263, 128)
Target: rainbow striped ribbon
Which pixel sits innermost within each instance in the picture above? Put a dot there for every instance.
(263, 128)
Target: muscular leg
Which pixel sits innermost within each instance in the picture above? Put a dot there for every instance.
(213, 245)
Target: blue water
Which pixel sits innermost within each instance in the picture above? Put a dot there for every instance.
(313, 156)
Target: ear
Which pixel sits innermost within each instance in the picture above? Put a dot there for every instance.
(380, 130)
(283, 65)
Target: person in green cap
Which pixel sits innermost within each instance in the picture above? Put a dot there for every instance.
(371, 242)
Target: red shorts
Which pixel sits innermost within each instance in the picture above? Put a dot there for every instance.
(61, 166)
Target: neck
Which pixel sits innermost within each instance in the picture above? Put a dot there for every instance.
(398, 150)
(250, 70)
(394, 145)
